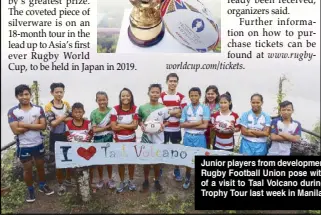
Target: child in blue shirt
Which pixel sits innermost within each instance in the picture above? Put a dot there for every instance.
(255, 128)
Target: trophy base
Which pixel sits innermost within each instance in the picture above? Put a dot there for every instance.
(147, 43)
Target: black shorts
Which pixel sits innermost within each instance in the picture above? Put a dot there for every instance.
(55, 137)
(173, 137)
(27, 153)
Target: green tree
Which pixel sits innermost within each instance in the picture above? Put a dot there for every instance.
(316, 129)
(281, 94)
(35, 92)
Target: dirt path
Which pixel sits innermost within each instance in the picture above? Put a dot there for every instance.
(173, 200)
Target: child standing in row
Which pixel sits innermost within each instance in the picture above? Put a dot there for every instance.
(194, 120)
(100, 121)
(124, 122)
(212, 96)
(58, 112)
(285, 131)
(27, 121)
(255, 128)
(225, 124)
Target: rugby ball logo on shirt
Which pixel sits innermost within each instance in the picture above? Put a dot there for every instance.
(223, 125)
(78, 137)
(152, 127)
(191, 24)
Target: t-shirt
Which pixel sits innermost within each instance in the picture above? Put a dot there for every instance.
(78, 133)
(250, 121)
(30, 138)
(194, 114)
(101, 119)
(52, 112)
(148, 112)
(176, 101)
(283, 147)
(124, 117)
(224, 140)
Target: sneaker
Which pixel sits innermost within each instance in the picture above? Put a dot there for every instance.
(131, 186)
(145, 187)
(111, 184)
(186, 184)
(46, 190)
(177, 175)
(61, 190)
(121, 186)
(69, 183)
(158, 187)
(100, 184)
(30, 197)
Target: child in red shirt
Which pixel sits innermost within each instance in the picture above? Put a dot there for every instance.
(225, 124)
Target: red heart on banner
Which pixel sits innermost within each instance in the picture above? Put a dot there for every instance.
(207, 153)
(86, 153)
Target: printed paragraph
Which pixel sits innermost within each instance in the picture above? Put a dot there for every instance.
(39, 29)
(255, 179)
(271, 24)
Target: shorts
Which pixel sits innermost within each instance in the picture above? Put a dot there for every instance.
(173, 137)
(157, 138)
(103, 138)
(53, 137)
(27, 153)
(253, 148)
(194, 140)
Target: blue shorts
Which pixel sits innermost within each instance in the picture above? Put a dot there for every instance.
(253, 148)
(194, 140)
(27, 153)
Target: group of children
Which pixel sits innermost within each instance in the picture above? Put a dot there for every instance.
(211, 125)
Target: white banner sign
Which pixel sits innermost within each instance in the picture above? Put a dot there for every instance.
(70, 155)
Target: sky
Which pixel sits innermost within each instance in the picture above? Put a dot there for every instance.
(261, 76)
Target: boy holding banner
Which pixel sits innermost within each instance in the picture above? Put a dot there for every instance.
(194, 120)
(154, 112)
